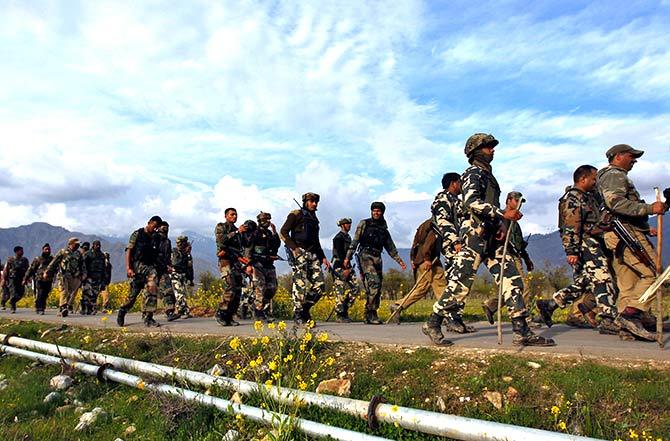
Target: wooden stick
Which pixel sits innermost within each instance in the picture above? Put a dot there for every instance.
(659, 270)
(502, 272)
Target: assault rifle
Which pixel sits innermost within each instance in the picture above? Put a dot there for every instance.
(630, 242)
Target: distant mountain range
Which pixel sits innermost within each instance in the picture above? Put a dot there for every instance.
(544, 249)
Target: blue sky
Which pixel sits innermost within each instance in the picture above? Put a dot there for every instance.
(112, 112)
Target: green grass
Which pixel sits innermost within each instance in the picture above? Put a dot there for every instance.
(598, 399)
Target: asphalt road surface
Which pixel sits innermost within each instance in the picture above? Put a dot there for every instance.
(569, 340)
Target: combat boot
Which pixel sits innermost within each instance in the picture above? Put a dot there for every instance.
(523, 336)
(395, 313)
(298, 317)
(588, 314)
(172, 315)
(490, 310)
(220, 317)
(432, 329)
(306, 316)
(371, 318)
(547, 308)
(631, 323)
(149, 321)
(259, 315)
(64, 312)
(607, 326)
(342, 316)
(454, 323)
(120, 317)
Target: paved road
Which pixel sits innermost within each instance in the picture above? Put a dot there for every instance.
(569, 340)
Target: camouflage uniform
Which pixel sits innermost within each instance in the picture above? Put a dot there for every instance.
(447, 214)
(181, 276)
(623, 201)
(143, 259)
(371, 238)
(43, 287)
(229, 240)
(70, 266)
(15, 270)
(104, 293)
(262, 251)
(347, 288)
(96, 276)
(163, 264)
(579, 217)
(301, 232)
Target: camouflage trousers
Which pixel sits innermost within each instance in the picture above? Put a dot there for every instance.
(145, 282)
(264, 281)
(590, 274)
(371, 267)
(231, 281)
(90, 290)
(5, 294)
(347, 289)
(69, 286)
(16, 291)
(165, 292)
(492, 303)
(308, 280)
(632, 276)
(462, 273)
(180, 288)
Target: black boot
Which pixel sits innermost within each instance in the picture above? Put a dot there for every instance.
(432, 328)
(454, 323)
(149, 321)
(298, 317)
(120, 318)
(306, 316)
(172, 315)
(489, 311)
(523, 336)
(547, 308)
(371, 318)
(219, 316)
(63, 311)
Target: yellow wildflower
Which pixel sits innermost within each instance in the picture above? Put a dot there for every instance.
(229, 363)
(302, 385)
(322, 337)
(302, 347)
(307, 337)
(258, 325)
(555, 410)
(272, 365)
(281, 325)
(330, 361)
(87, 339)
(235, 344)
(288, 358)
(238, 376)
(562, 425)
(394, 408)
(268, 384)
(276, 375)
(252, 364)
(265, 340)
(104, 319)
(271, 326)
(259, 359)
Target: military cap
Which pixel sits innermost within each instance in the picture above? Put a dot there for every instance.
(309, 196)
(72, 241)
(182, 239)
(344, 220)
(516, 196)
(263, 215)
(623, 148)
(479, 140)
(378, 205)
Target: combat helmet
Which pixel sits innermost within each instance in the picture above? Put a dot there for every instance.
(479, 140)
(309, 196)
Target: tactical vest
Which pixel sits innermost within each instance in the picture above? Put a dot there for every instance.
(180, 261)
(374, 236)
(589, 215)
(95, 265)
(144, 250)
(71, 263)
(307, 234)
(163, 252)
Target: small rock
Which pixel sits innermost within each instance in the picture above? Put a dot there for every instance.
(494, 398)
(89, 418)
(534, 365)
(52, 398)
(61, 382)
(231, 435)
(341, 387)
(507, 379)
(216, 370)
(77, 403)
(118, 439)
(130, 430)
(512, 394)
(441, 404)
(4, 384)
(236, 398)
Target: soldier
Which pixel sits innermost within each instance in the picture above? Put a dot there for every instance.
(427, 267)
(69, 263)
(300, 233)
(163, 270)
(582, 235)
(483, 235)
(108, 280)
(623, 201)
(262, 251)
(96, 275)
(13, 277)
(516, 249)
(37, 268)
(447, 214)
(3, 287)
(182, 275)
(230, 249)
(85, 248)
(344, 279)
(371, 238)
(141, 261)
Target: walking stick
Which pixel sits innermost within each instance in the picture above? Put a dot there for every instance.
(659, 270)
(404, 300)
(502, 272)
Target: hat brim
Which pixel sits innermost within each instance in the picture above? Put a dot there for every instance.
(636, 153)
